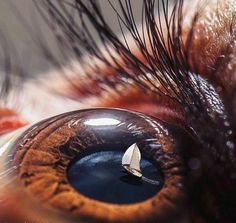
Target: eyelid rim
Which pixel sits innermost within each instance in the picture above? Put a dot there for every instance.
(6, 142)
(8, 138)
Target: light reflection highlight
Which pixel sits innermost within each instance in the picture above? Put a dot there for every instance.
(102, 122)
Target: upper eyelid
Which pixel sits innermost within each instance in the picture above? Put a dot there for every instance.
(105, 77)
(104, 73)
(94, 75)
(186, 19)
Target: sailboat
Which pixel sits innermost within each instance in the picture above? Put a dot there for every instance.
(131, 161)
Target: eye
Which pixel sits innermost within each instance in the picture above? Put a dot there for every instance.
(48, 174)
(178, 67)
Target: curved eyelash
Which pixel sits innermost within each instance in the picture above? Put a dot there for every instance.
(162, 60)
(164, 56)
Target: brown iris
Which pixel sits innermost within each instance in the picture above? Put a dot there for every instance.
(47, 151)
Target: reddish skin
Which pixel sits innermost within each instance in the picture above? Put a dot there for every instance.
(9, 121)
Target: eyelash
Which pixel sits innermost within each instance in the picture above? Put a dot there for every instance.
(171, 71)
(166, 62)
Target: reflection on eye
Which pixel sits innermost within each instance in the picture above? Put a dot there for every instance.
(102, 121)
(178, 66)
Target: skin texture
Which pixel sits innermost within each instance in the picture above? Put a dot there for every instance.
(211, 55)
(9, 121)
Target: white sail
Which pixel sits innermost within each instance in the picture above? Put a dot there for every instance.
(131, 160)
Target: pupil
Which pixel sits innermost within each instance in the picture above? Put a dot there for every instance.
(99, 176)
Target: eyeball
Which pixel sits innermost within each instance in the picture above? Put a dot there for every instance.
(82, 166)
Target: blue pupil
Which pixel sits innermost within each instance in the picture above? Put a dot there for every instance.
(99, 176)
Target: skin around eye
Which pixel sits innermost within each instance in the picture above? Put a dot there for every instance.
(9, 121)
(210, 53)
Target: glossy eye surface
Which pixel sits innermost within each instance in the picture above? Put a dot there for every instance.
(51, 159)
